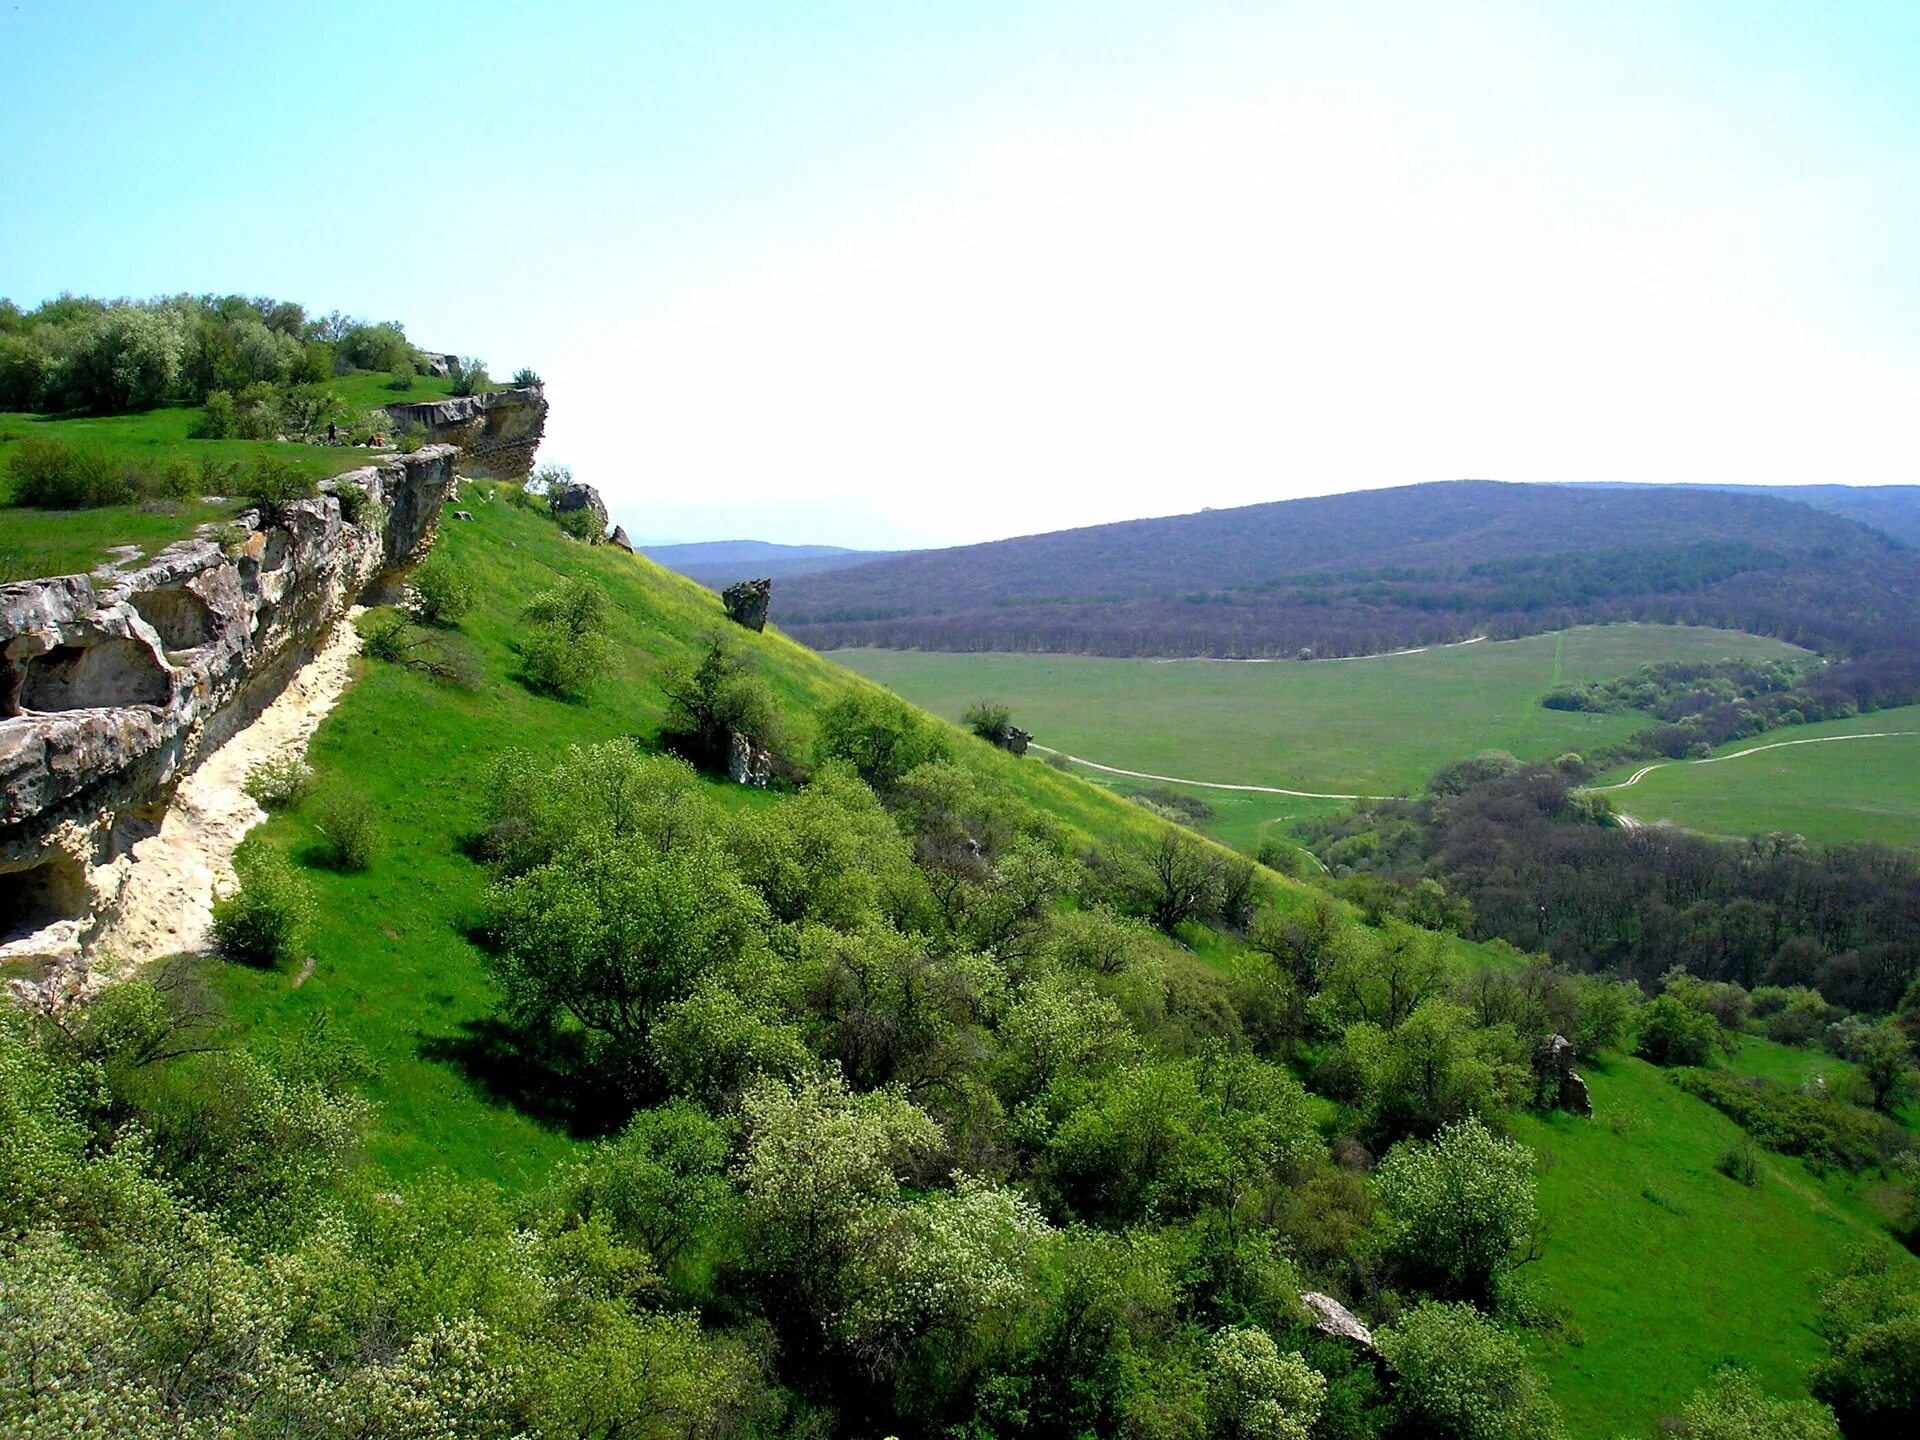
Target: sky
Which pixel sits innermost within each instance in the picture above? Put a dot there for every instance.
(900, 273)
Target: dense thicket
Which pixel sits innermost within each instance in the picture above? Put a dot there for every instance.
(1390, 569)
(1543, 867)
(106, 357)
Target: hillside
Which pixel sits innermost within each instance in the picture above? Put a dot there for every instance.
(1391, 569)
(717, 564)
(1892, 508)
(1077, 1101)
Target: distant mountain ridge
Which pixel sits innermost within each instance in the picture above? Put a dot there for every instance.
(1387, 569)
(719, 563)
(1892, 508)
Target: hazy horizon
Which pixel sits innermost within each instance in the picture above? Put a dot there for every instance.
(875, 278)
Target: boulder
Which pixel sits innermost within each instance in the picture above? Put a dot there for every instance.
(748, 763)
(1555, 1084)
(1330, 1317)
(578, 495)
(1016, 740)
(619, 539)
(747, 603)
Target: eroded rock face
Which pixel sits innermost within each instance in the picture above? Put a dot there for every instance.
(747, 603)
(578, 495)
(748, 763)
(1330, 1317)
(1556, 1084)
(112, 685)
(497, 433)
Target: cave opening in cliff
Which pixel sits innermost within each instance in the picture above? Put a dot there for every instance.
(90, 677)
(181, 619)
(40, 895)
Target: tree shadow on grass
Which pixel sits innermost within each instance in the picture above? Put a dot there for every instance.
(549, 1078)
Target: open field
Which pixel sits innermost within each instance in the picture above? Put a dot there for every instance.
(57, 542)
(1376, 726)
(1663, 1268)
(1848, 789)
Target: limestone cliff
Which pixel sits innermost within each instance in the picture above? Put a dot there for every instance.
(496, 433)
(113, 685)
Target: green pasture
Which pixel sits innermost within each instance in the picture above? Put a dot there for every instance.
(1660, 1267)
(59, 542)
(1834, 790)
(1375, 726)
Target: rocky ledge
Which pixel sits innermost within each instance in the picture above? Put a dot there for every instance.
(114, 684)
(496, 433)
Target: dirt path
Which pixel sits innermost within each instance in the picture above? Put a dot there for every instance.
(167, 901)
(1203, 784)
(1288, 660)
(1646, 770)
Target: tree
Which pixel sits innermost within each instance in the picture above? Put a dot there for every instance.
(1734, 1407)
(990, 720)
(1457, 1211)
(442, 591)
(1256, 1393)
(1869, 1316)
(1885, 1057)
(611, 936)
(1674, 1032)
(817, 1163)
(714, 695)
(1463, 1377)
(565, 651)
(879, 736)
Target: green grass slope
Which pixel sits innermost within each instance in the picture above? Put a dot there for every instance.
(394, 967)
(1376, 726)
(1666, 1268)
(58, 542)
(1847, 790)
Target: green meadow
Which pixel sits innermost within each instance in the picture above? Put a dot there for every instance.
(1660, 1267)
(1381, 725)
(1835, 790)
(58, 542)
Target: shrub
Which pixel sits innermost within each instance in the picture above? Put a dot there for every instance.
(442, 591)
(349, 832)
(566, 651)
(1459, 1209)
(581, 524)
(1672, 1032)
(469, 375)
(526, 379)
(1740, 1162)
(264, 922)
(218, 418)
(402, 377)
(278, 784)
(1822, 1128)
(274, 484)
(988, 719)
(356, 505)
(256, 412)
(1465, 1377)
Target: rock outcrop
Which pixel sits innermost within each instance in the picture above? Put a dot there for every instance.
(1557, 1086)
(748, 763)
(576, 496)
(747, 603)
(113, 685)
(1330, 1317)
(496, 433)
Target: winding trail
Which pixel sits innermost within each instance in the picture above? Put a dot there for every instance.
(1203, 784)
(1646, 770)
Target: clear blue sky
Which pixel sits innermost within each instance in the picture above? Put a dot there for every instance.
(834, 272)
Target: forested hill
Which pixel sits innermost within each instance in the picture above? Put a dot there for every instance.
(718, 563)
(1383, 570)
